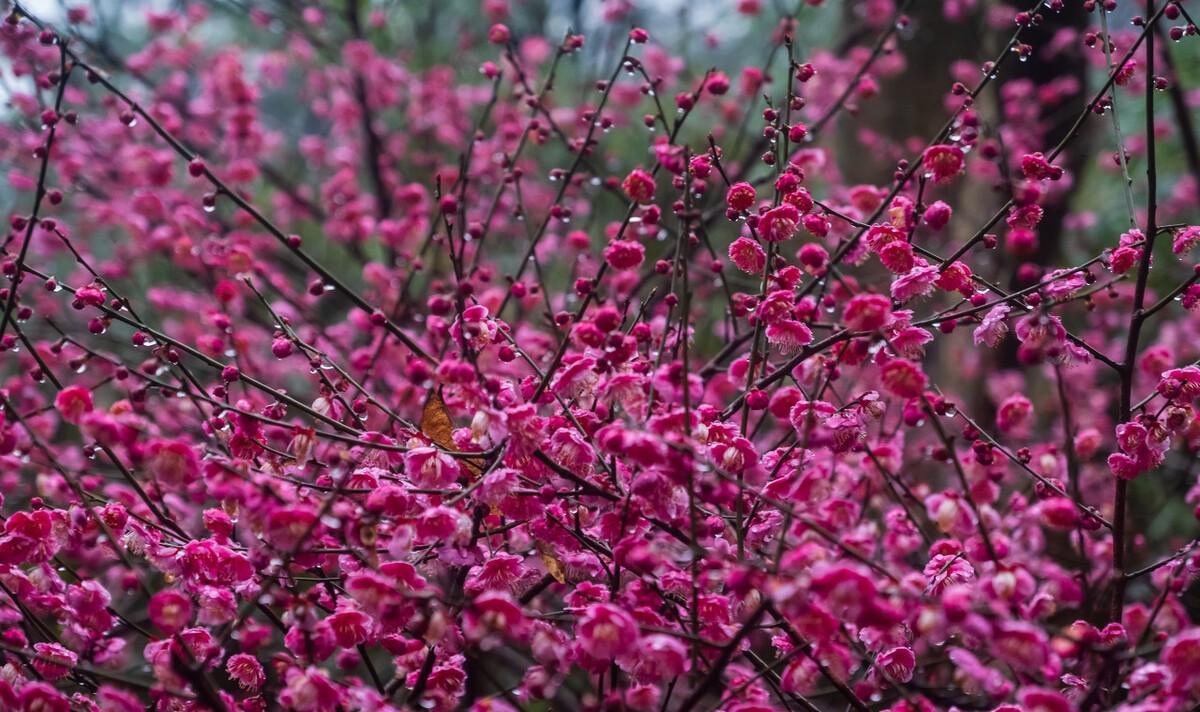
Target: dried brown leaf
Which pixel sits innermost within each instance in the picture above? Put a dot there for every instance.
(437, 426)
(554, 567)
(435, 421)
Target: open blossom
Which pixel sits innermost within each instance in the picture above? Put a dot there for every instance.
(1020, 644)
(494, 615)
(904, 378)
(993, 327)
(747, 255)
(624, 254)
(740, 196)
(779, 223)
(1013, 413)
(570, 450)
(917, 282)
(1035, 166)
(73, 402)
(1141, 449)
(33, 537)
(789, 335)
(53, 661)
(956, 277)
(1025, 217)
(796, 195)
(170, 610)
(867, 312)
(246, 671)
(308, 690)
(898, 256)
(1186, 239)
(172, 462)
(1042, 337)
(431, 468)
(659, 657)
(897, 663)
(605, 632)
(942, 162)
(1180, 383)
(1182, 658)
(1128, 252)
(639, 186)
(1063, 283)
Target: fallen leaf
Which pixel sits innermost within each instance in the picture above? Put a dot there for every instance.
(436, 425)
(553, 566)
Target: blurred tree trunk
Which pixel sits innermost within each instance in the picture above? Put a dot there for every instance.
(911, 105)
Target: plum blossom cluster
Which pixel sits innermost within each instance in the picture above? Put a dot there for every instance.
(597, 380)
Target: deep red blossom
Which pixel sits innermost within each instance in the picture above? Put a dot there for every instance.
(639, 186)
(73, 402)
(942, 162)
(170, 611)
(779, 223)
(747, 255)
(624, 254)
(903, 378)
(867, 312)
(605, 632)
(740, 196)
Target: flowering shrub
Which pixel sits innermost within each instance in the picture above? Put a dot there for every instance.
(597, 381)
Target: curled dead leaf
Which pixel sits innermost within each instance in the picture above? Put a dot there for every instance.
(435, 421)
(436, 425)
(554, 567)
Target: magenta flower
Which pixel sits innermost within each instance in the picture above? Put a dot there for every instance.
(747, 255)
(639, 186)
(606, 632)
(942, 162)
(73, 403)
(740, 196)
(779, 223)
(170, 611)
